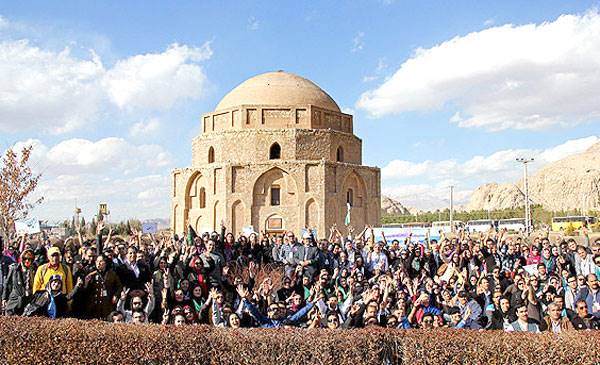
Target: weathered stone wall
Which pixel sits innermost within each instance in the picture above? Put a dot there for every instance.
(232, 176)
(276, 117)
(250, 146)
(242, 195)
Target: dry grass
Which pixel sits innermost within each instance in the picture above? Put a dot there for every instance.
(35, 341)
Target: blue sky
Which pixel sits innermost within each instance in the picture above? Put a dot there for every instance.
(448, 91)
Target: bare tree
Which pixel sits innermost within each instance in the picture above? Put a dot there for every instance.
(17, 182)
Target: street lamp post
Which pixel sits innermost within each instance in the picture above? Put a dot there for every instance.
(452, 208)
(525, 161)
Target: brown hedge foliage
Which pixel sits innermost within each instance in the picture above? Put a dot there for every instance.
(41, 341)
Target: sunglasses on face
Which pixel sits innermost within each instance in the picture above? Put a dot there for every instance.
(428, 321)
(583, 308)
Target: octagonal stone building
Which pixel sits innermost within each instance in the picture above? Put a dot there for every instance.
(277, 154)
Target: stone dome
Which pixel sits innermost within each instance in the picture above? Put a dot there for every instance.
(278, 88)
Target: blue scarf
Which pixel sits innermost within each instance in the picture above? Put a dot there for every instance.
(52, 307)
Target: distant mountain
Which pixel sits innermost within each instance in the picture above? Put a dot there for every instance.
(570, 183)
(393, 207)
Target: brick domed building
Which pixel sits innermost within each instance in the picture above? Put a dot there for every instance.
(277, 154)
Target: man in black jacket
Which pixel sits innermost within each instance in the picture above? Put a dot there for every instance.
(307, 255)
(585, 320)
(19, 283)
(134, 274)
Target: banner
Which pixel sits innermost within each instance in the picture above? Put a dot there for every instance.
(150, 227)
(248, 230)
(28, 226)
(417, 235)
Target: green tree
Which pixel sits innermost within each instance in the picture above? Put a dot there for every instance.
(93, 226)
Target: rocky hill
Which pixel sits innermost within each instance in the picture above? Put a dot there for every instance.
(570, 183)
(391, 206)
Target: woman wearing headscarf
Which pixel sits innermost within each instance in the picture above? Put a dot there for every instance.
(18, 286)
(102, 288)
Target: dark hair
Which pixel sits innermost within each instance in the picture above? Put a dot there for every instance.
(520, 304)
(453, 310)
(427, 315)
(113, 314)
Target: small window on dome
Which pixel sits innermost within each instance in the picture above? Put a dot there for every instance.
(275, 152)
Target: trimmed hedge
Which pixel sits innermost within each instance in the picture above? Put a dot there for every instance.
(41, 341)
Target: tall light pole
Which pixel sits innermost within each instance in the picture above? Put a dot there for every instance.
(525, 161)
(452, 208)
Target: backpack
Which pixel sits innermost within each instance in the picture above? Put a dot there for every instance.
(63, 267)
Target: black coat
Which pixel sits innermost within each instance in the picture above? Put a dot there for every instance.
(498, 318)
(130, 281)
(14, 288)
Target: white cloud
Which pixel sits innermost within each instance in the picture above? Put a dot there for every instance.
(568, 148)
(47, 90)
(435, 176)
(157, 81)
(253, 23)
(134, 179)
(427, 197)
(145, 128)
(59, 92)
(146, 196)
(348, 110)
(358, 42)
(523, 77)
(107, 155)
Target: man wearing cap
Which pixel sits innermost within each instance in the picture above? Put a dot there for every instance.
(53, 267)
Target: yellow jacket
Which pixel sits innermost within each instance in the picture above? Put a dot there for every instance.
(45, 272)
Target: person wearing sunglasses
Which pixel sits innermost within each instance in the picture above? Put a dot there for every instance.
(19, 284)
(585, 320)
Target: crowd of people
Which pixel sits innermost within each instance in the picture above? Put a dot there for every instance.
(491, 281)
